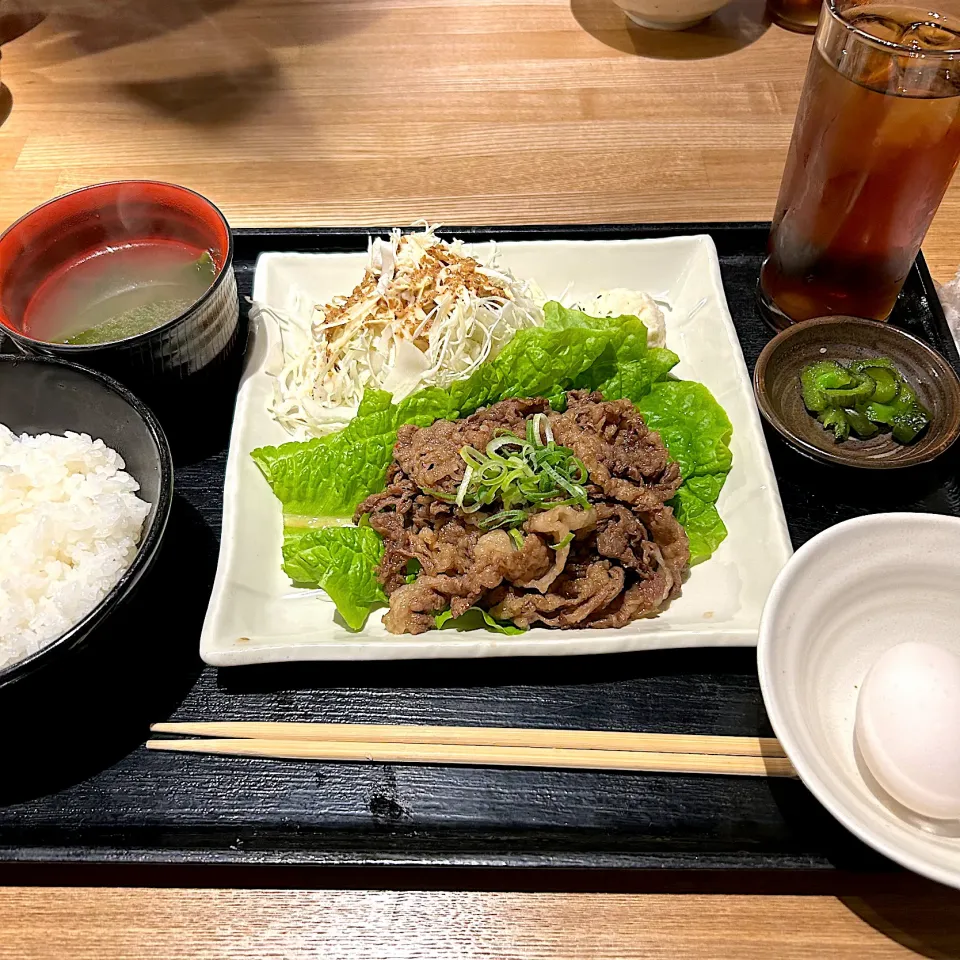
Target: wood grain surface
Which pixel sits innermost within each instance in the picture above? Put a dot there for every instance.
(291, 112)
(95, 924)
(383, 111)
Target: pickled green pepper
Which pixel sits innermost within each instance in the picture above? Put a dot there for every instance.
(860, 395)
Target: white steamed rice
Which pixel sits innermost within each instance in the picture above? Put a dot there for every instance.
(70, 522)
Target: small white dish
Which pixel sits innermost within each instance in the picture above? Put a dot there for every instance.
(669, 14)
(256, 616)
(846, 597)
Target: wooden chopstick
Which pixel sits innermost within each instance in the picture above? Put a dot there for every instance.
(481, 737)
(486, 756)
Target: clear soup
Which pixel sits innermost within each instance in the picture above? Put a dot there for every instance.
(119, 292)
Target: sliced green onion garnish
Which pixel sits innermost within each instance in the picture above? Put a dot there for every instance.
(440, 494)
(505, 440)
(471, 457)
(564, 542)
(505, 518)
(522, 474)
(464, 484)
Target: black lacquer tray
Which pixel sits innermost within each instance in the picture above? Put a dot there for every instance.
(77, 786)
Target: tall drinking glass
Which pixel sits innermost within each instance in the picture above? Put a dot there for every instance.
(875, 144)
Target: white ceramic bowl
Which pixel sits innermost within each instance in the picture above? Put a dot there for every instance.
(844, 598)
(669, 14)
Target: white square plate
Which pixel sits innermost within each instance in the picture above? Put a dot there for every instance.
(256, 616)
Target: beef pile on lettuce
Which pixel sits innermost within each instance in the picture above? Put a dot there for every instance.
(574, 370)
(531, 515)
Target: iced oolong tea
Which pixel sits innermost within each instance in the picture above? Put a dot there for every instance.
(876, 141)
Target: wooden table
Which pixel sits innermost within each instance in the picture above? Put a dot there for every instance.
(108, 924)
(384, 111)
(290, 112)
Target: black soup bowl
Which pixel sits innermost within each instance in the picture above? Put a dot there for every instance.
(174, 367)
(41, 395)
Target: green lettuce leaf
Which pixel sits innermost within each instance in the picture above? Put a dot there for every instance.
(627, 335)
(692, 424)
(697, 433)
(374, 401)
(327, 478)
(705, 530)
(474, 619)
(343, 561)
(628, 367)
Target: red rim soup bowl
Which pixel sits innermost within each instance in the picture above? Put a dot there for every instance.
(69, 229)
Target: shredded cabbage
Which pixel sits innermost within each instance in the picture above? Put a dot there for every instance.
(425, 314)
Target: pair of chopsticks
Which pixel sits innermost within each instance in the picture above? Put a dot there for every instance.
(483, 747)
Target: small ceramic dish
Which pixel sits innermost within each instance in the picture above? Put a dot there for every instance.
(776, 383)
(42, 395)
(844, 599)
(68, 232)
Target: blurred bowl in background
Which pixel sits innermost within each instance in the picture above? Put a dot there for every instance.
(669, 14)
